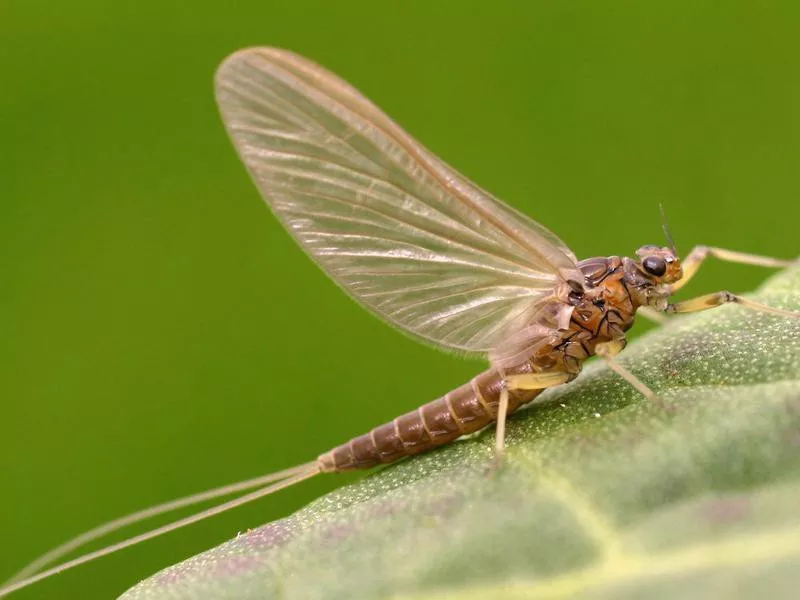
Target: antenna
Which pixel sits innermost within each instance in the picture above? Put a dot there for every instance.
(665, 227)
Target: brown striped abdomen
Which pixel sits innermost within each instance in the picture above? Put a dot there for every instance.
(464, 410)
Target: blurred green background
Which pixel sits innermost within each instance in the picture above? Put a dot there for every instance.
(161, 334)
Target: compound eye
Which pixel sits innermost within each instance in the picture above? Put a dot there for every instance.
(655, 265)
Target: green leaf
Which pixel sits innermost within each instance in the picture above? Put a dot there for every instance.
(602, 494)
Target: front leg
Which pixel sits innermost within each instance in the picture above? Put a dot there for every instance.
(719, 298)
(695, 258)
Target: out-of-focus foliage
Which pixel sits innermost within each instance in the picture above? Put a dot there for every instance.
(162, 335)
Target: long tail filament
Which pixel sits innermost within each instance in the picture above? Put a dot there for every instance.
(278, 481)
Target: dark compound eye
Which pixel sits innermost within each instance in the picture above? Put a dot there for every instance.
(655, 265)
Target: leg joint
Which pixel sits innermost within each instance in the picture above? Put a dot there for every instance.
(537, 381)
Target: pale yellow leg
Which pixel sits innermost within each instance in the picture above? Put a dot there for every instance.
(698, 254)
(537, 381)
(608, 351)
(527, 381)
(719, 298)
(500, 431)
(652, 314)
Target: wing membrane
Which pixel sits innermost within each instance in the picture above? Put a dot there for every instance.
(399, 230)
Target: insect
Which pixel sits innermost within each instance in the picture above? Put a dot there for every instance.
(432, 254)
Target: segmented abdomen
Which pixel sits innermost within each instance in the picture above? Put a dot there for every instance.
(464, 410)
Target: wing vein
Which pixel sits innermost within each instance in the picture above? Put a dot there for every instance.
(393, 225)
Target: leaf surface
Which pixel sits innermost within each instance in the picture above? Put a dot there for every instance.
(602, 495)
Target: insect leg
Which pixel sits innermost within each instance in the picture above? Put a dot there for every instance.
(698, 254)
(719, 298)
(526, 381)
(652, 314)
(608, 351)
(500, 431)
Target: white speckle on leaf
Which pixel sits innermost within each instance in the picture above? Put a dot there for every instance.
(679, 498)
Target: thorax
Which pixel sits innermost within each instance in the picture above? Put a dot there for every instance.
(607, 308)
(604, 312)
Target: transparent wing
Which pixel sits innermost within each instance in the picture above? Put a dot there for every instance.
(399, 230)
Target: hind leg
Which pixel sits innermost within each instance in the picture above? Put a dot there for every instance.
(527, 381)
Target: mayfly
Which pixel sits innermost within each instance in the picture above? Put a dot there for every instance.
(431, 253)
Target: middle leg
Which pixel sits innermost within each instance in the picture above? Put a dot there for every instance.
(608, 352)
